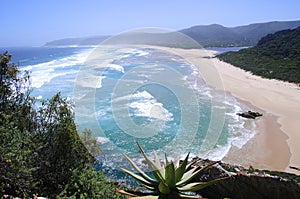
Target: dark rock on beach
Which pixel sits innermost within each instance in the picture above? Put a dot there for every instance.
(250, 114)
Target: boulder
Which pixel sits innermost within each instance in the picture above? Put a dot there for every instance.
(250, 114)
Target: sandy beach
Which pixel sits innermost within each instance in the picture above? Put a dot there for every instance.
(275, 145)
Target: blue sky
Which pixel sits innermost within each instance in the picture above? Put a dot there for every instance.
(34, 22)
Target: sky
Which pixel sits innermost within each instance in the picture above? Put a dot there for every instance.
(34, 22)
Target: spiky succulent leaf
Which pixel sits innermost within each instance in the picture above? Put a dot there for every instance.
(164, 188)
(151, 188)
(183, 196)
(166, 159)
(192, 173)
(170, 175)
(176, 162)
(144, 175)
(199, 185)
(170, 178)
(155, 171)
(187, 175)
(190, 164)
(181, 169)
(138, 177)
(137, 195)
(156, 160)
(158, 164)
(126, 193)
(145, 197)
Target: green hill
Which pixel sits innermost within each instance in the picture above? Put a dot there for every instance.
(275, 56)
(213, 35)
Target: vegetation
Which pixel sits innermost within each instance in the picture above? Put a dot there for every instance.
(275, 56)
(171, 179)
(41, 152)
(89, 183)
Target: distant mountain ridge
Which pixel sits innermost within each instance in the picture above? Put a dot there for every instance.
(275, 56)
(248, 35)
(213, 35)
(83, 41)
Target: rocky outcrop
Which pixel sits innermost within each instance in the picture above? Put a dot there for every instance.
(250, 114)
(248, 183)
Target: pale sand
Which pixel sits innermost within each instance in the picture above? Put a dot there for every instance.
(276, 145)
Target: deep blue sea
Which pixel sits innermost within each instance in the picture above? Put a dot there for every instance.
(139, 94)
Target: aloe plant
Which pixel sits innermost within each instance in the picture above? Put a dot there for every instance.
(171, 179)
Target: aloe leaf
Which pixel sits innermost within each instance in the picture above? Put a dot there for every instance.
(152, 188)
(145, 197)
(137, 177)
(136, 196)
(163, 188)
(158, 164)
(199, 185)
(190, 175)
(166, 159)
(144, 175)
(188, 166)
(156, 160)
(181, 169)
(170, 175)
(186, 176)
(150, 163)
(176, 162)
(183, 196)
(155, 171)
(126, 193)
(158, 175)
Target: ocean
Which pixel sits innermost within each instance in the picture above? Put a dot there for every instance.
(137, 94)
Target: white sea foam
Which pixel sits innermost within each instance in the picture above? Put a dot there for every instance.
(44, 72)
(239, 133)
(139, 53)
(116, 67)
(102, 140)
(134, 52)
(145, 105)
(90, 80)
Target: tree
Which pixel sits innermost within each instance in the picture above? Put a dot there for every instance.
(40, 149)
(60, 148)
(15, 137)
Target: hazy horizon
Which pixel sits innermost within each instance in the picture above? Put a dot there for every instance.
(33, 23)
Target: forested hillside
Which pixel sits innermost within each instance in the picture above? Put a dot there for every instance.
(275, 56)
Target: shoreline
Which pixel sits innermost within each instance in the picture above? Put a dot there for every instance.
(275, 143)
(265, 148)
(277, 98)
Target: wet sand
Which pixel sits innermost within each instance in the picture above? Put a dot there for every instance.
(275, 145)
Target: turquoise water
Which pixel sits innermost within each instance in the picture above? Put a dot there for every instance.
(142, 94)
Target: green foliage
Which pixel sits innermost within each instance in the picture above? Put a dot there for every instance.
(41, 152)
(89, 183)
(275, 56)
(59, 149)
(15, 161)
(171, 179)
(16, 146)
(90, 143)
